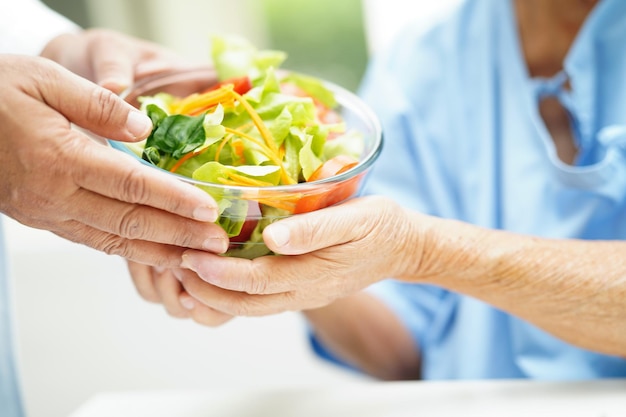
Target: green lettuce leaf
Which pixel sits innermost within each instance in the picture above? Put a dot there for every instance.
(234, 56)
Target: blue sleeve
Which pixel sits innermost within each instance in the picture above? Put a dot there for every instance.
(414, 305)
(409, 169)
(10, 396)
(321, 351)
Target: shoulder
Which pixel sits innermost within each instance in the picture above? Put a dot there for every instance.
(428, 54)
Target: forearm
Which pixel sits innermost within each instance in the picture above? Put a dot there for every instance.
(573, 289)
(361, 331)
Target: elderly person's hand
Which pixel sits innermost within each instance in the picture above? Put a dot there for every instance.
(335, 252)
(574, 289)
(110, 59)
(57, 178)
(160, 285)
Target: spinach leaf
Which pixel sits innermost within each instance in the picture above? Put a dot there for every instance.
(173, 135)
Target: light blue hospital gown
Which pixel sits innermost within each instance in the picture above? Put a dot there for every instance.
(9, 393)
(464, 140)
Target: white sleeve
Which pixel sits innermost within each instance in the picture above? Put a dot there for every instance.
(26, 26)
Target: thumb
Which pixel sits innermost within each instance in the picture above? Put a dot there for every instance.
(309, 232)
(93, 107)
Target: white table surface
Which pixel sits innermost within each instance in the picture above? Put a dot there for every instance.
(606, 398)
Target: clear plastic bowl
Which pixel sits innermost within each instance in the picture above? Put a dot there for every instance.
(298, 198)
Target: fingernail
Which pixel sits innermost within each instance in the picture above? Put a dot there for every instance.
(186, 262)
(279, 234)
(192, 260)
(187, 302)
(114, 84)
(138, 124)
(215, 244)
(205, 214)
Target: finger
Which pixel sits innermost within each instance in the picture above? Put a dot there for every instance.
(234, 303)
(201, 313)
(250, 276)
(169, 290)
(138, 222)
(112, 64)
(316, 230)
(144, 252)
(142, 277)
(161, 64)
(229, 273)
(117, 60)
(129, 180)
(91, 106)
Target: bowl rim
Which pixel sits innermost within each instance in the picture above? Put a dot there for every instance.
(342, 95)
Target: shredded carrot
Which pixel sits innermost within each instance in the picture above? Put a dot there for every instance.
(221, 146)
(242, 181)
(250, 181)
(197, 103)
(276, 158)
(252, 139)
(278, 203)
(239, 149)
(256, 119)
(185, 158)
(265, 134)
(198, 111)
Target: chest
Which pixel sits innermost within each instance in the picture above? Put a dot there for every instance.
(525, 185)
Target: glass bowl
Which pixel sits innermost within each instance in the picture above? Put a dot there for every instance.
(260, 201)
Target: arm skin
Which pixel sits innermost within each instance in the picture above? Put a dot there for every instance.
(573, 289)
(364, 333)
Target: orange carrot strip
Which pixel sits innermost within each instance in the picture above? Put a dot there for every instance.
(196, 103)
(265, 134)
(221, 146)
(280, 204)
(185, 158)
(249, 181)
(256, 119)
(206, 100)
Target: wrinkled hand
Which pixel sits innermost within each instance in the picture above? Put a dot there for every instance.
(160, 285)
(110, 59)
(114, 61)
(333, 252)
(56, 178)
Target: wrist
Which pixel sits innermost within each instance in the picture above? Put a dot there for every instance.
(444, 251)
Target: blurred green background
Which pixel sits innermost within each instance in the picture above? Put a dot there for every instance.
(324, 38)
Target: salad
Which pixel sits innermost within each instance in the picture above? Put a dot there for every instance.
(258, 126)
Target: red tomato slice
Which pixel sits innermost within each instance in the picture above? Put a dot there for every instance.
(252, 218)
(337, 192)
(241, 85)
(334, 166)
